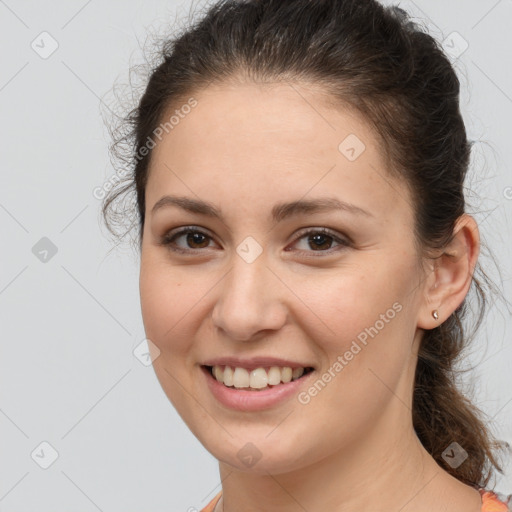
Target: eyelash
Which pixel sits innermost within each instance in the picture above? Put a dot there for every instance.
(169, 238)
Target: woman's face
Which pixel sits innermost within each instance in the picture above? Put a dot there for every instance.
(259, 286)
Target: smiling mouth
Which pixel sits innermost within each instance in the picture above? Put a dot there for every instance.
(258, 379)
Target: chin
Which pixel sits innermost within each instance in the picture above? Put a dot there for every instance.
(259, 455)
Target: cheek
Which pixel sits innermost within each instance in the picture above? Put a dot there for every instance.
(353, 305)
(364, 352)
(165, 301)
(364, 339)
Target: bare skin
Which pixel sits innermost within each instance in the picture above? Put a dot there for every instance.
(352, 447)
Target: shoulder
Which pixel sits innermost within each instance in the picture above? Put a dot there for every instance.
(495, 502)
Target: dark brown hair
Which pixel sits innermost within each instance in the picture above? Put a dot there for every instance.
(376, 60)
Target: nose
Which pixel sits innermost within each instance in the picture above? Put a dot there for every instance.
(250, 301)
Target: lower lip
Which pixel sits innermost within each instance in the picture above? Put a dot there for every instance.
(244, 400)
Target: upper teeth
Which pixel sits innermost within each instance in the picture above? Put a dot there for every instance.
(258, 378)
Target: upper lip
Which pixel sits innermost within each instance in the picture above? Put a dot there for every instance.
(254, 362)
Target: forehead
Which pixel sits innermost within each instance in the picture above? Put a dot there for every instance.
(254, 142)
(284, 116)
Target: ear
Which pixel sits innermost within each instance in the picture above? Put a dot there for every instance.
(450, 277)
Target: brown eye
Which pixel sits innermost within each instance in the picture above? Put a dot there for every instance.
(193, 240)
(321, 241)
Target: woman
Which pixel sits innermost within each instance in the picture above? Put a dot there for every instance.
(305, 257)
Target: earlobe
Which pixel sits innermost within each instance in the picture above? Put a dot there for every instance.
(451, 275)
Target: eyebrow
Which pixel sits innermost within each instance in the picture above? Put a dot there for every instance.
(280, 211)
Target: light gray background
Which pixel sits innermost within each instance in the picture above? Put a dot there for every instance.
(69, 326)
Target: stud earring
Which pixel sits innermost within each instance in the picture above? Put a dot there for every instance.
(435, 314)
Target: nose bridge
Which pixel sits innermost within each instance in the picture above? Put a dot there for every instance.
(249, 300)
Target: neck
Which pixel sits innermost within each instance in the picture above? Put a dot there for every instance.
(371, 474)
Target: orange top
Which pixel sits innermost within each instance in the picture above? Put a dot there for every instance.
(211, 505)
(491, 502)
